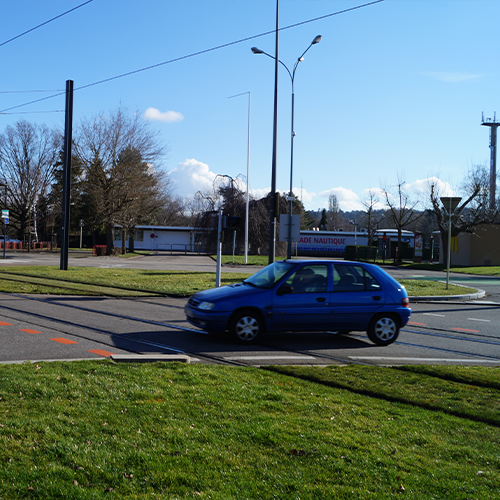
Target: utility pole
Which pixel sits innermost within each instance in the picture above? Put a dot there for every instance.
(68, 139)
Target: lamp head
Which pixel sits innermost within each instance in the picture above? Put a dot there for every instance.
(317, 39)
(256, 50)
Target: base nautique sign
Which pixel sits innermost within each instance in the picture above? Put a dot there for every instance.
(315, 241)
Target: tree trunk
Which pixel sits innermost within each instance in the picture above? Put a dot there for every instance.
(109, 239)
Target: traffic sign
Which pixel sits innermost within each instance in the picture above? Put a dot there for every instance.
(5, 214)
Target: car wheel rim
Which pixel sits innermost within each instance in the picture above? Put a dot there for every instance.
(385, 329)
(247, 328)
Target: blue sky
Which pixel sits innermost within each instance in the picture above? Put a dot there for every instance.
(394, 89)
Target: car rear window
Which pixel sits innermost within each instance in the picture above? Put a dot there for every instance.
(349, 278)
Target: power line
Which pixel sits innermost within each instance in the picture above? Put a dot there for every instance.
(43, 24)
(33, 112)
(26, 91)
(129, 73)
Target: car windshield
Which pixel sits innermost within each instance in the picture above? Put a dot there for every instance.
(267, 277)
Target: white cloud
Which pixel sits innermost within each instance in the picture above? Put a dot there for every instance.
(451, 76)
(155, 115)
(191, 176)
(347, 198)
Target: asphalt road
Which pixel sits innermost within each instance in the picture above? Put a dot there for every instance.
(39, 328)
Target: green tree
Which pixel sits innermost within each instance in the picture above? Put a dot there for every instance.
(120, 156)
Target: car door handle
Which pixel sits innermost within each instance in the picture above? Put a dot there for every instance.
(321, 299)
(376, 297)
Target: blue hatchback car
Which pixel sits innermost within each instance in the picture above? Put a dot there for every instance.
(305, 295)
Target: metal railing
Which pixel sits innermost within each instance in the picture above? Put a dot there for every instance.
(179, 248)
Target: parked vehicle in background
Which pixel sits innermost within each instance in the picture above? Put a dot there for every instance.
(305, 295)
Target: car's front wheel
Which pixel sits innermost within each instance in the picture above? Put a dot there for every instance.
(383, 329)
(246, 326)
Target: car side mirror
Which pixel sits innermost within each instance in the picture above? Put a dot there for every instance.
(284, 289)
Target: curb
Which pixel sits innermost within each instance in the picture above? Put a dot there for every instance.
(149, 358)
(470, 296)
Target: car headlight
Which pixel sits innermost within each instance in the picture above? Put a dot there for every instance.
(206, 306)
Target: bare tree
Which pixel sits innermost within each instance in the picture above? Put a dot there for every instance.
(371, 217)
(120, 156)
(472, 211)
(27, 156)
(402, 209)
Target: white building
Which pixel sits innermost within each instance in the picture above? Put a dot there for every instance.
(164, 238)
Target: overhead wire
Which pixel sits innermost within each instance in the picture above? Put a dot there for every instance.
(205, 51)
(44, 23)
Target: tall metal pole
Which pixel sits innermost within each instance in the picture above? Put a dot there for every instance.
(449, 246)
(272, 211)
(219, 250)
(248, 176)
(68, 136)
(450, 204)
(248, 185)
(290, 194)
(4, 222)
(256, 50)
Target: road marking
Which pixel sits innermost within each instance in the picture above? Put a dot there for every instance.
(64, 341)
(477, 319)
(418, 324)
(4, 323)
(432, 314)
(465, 330)
(251, 358)
(431, 360)
(100, 352)
(29, 330)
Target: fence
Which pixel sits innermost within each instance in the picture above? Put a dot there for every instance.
(179, 247)
(23, 245)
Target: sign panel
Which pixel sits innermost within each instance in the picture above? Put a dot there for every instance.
(285, 224)
(5, 214)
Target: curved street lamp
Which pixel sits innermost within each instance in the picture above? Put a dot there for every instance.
(256, 50)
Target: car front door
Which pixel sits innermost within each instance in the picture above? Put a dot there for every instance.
(303, 301)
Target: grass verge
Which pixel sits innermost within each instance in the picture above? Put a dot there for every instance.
(81, 430)
(140, 282)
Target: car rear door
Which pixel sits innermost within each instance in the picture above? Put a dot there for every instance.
(356, 297)
(305, 306)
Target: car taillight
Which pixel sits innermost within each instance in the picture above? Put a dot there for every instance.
(405, 302)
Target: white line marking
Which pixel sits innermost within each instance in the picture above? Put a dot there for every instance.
(432, 314)
(250, 358)
(477, 319)
(449, 360)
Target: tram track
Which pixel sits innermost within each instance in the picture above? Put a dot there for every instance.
(106, 334)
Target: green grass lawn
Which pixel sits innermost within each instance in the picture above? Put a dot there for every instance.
(93, 429)
(140, 282)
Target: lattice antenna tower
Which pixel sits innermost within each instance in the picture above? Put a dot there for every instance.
(493, 124)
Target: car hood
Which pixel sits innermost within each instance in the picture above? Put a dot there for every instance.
(227, 292)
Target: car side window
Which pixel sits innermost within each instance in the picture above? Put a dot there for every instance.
(311, 278)
(349, 278)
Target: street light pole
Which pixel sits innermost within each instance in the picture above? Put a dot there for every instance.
(291, 74)
(450, 204)
(4, 223)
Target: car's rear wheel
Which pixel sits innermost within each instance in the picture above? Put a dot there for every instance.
(246, 326)
(383, 329)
